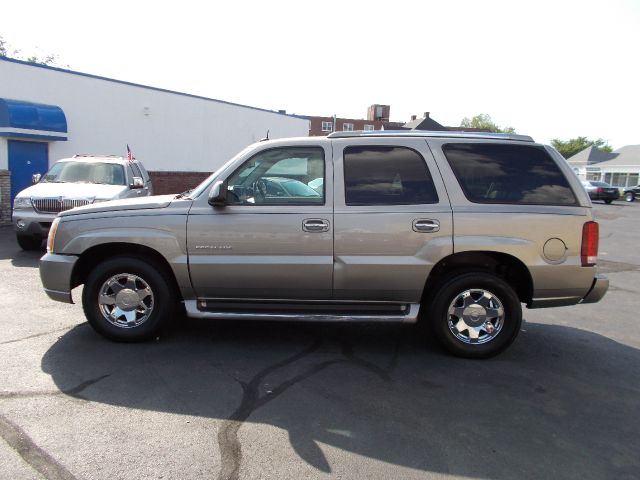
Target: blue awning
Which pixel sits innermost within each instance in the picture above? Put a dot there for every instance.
(32, 120)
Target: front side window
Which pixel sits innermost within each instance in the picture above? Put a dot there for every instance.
(279, 176)
(381, 175)
(85, 172)
(512, 174)
(327, 126)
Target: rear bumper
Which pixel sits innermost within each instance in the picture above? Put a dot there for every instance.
(598, 289)
(55, 273)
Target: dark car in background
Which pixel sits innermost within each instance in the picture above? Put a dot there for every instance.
(601, 191)
(631, 193)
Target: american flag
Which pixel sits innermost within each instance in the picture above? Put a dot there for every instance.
(130, 156)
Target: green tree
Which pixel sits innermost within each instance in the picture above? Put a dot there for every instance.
(46, 60)
(484, 121)
(568, 148)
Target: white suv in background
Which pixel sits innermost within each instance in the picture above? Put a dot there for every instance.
(74, 182)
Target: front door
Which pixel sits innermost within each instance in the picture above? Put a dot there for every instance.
(25, 160)
(274, 238)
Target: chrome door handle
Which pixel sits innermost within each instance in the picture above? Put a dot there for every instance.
(313, 225)
(423, 226)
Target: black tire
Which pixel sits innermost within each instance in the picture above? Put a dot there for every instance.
(29, 242)
(160, 304)
(630, 196)
(475, 283)
(608, 202)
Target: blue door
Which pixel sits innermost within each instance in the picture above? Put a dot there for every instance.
(26, 159)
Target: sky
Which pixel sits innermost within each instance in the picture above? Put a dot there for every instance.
(550, 69)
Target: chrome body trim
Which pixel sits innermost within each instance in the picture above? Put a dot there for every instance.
(193, 311)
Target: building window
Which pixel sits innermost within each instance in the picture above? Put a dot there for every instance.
(617, 180)
(327, 126)
(347, 127)
(369, 128)
(633, 180)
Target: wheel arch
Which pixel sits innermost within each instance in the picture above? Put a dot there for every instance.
(91, 257)
(505, 266)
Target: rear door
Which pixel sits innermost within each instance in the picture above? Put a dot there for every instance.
(392, 218)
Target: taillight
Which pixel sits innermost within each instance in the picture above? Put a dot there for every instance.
(599, 190)
(589, 250)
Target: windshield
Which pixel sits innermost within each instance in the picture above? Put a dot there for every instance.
(85, 172)
(211, 178)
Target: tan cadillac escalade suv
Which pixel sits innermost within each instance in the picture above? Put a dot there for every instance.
(453, 229)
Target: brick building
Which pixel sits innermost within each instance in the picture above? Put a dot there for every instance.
(377, 119)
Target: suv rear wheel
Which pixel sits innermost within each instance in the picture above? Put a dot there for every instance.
(475, 315)
(629, 196)
(127, 300)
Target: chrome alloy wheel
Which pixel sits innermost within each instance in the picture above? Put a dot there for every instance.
(475, 316)
(126, 300)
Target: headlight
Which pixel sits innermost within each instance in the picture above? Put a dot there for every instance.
(22, 202)
(52, 234)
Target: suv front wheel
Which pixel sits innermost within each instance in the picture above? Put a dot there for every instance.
(475, 315)
(29, 242)
(127, 300)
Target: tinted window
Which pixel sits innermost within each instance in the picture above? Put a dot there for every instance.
(279, 177)
(490, 173)
(376, 175)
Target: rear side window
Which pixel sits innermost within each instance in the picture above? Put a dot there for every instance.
(499, 173)
(380, 175)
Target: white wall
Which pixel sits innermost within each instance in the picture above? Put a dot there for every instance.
(180, 133)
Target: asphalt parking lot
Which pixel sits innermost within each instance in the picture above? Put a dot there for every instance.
(291, 401)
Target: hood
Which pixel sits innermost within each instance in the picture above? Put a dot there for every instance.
(74, 190)
(156, 201)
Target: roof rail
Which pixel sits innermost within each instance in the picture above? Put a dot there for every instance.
(95, 155)
(434, 134)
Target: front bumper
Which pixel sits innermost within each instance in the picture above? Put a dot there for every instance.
(56, 272)
(29, 222)
(598, 289)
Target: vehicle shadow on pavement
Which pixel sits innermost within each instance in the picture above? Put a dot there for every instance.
(561, 402)
(9, 249)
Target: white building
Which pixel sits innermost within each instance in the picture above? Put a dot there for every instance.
(50, 113)
(620, 168)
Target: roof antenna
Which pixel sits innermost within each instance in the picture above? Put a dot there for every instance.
(265, 138)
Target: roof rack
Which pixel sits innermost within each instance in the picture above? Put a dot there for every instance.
(435, 134)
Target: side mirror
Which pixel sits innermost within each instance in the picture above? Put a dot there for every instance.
(35, 178)
(138, 182)
(218, 194)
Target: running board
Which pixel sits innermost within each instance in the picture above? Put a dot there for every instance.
(407, 313)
